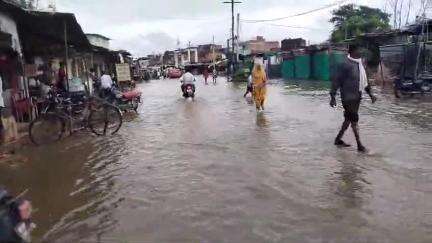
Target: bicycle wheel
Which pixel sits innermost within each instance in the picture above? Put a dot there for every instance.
(106, 120)
(46, 129)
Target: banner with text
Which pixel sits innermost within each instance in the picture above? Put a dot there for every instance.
(123, 72)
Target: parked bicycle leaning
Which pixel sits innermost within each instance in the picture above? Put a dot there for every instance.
(60, 114)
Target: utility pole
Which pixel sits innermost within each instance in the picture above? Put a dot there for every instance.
(238, 37)
(66, 46)
(213, 55)
(233, 3)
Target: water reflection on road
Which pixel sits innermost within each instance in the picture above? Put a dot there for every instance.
(214, 171)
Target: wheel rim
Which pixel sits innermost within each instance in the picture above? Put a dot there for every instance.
(106, 121)
(46, 130)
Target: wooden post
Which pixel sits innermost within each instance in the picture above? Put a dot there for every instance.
(66, 55)
(419, 47)
(213, 53)
(382, 72)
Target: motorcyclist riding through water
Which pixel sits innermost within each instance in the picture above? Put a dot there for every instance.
(188, 80)
(15, 219)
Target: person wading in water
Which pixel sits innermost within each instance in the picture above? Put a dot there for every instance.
(206, 74)
(259, 80)
(351, 80)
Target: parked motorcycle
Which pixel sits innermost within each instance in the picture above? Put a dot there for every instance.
(77, 99)
(15, 219)
(412, 87)
(126, 101)
(189, 91)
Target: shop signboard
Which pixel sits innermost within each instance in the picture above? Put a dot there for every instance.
(123, 72)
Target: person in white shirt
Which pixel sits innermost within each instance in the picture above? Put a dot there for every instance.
(106, 81)
(187, 78)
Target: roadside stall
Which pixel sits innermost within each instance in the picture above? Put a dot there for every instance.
(55, 45)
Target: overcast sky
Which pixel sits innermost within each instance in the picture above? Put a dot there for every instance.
(152, 26)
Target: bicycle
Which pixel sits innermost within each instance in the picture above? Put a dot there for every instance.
(61, 114)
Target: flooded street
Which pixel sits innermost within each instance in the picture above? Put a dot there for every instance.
(214, 171)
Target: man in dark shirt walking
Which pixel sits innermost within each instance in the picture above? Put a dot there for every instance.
(351, 80)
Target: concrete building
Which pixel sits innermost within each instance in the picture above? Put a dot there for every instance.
(155, 60)
(143, 62)
(8, 26)
(258, 45)
(183, 57)
(205, 53)
(169, 58)
(14, 91)
(292, 44)
(10, 54)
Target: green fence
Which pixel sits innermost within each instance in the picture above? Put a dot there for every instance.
(302, 67)
(274, 71)
(321, 66)
(288, 69)
(336, 58)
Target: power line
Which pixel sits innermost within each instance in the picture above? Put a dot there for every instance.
(287, 26)
(187, 19)
(299, 14)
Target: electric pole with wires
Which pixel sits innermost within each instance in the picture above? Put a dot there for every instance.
(233, 59)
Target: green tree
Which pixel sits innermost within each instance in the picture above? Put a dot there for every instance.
(352, 20)
(27, 4)
(23, 3)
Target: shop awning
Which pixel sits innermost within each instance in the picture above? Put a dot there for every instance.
(41, 31)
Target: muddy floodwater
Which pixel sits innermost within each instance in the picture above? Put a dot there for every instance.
(214, 171)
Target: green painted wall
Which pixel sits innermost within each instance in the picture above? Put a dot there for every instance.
(288, 69)
(302, 67)
(321, 66)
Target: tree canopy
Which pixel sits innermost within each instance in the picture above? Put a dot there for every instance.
(27, 4)
(352, 20)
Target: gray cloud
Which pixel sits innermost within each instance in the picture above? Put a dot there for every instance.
(149, 43)
(147, 26)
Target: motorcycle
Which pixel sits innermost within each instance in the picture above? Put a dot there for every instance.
(15, 219)
(412, 87)
(126, 101)
(189, 91)
(77, 99)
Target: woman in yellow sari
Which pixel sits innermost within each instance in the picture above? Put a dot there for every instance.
(259, 80)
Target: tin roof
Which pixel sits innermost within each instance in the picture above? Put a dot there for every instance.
(98, 35)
